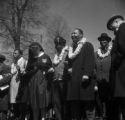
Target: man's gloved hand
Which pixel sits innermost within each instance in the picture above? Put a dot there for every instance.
(85, 81)
(70, 70)
(96, 88)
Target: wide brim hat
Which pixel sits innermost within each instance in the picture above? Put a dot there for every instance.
(110, 21)
(104, 36)
(2, 58)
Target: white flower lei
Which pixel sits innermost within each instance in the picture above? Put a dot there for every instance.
(60, 56)
(103, 55)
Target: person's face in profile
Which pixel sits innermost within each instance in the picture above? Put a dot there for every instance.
(16, 54)
(116, 23)
(75, 36)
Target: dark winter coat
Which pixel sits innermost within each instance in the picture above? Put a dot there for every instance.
(34, 88)
(82, 64)
(118, 63)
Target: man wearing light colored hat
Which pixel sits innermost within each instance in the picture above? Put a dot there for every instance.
(117, 24)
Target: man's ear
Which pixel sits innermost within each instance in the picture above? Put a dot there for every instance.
(80, 36)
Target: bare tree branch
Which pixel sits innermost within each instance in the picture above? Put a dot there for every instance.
(24, 6)
(4, 36)
(7, 25)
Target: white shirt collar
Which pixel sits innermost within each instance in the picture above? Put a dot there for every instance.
(40, 54)
(20, 59)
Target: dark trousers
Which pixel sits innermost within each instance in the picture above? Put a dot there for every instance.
(112, 110)
(102, 101)
(81, 109)
(3, 115)
(58, 99)
(120, 108)
(24, 111)
(18, 111)
(15, 110)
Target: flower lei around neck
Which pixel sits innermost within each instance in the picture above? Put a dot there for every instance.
(103, 55)
(60, 56)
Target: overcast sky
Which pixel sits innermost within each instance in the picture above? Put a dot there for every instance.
(90, 15)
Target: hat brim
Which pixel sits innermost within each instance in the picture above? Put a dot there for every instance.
(112, 19)
(104, 38)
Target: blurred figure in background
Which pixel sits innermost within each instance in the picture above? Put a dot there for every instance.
(5, 78)
(17, 68)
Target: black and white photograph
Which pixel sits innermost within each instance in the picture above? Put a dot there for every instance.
(62, 59)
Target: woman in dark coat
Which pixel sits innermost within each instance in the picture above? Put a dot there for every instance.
(36, 81)
(103, 64)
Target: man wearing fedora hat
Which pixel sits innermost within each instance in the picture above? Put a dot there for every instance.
(103, 63)
(117, 25)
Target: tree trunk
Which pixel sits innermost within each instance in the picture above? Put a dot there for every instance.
(17, 43)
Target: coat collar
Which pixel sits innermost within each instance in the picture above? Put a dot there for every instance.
(83, 40)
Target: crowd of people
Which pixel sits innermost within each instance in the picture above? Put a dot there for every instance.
(80, 83)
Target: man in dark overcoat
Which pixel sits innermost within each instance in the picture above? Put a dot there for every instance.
(80, 93)
(117, 25)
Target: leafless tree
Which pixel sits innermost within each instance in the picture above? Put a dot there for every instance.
(57, 26)
(18, 17)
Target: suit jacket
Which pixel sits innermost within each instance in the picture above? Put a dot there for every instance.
(103, 67)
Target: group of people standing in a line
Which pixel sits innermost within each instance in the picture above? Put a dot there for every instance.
(77, 84)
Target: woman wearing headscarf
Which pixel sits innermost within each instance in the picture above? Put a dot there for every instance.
(38, 78)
